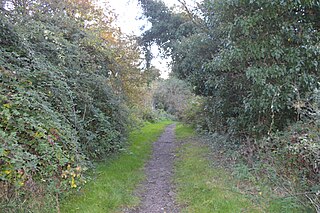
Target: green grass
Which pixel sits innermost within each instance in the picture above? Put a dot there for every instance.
(202, 188)
(116, 181)
(182, 131)
(268, 199)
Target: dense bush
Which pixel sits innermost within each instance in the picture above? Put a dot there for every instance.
(261, 64)
(62, 104)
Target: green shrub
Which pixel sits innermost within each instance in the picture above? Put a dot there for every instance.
(58, 109)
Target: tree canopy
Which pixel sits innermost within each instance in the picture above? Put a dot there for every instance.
(256, 59)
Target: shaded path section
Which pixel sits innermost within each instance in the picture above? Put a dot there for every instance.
(157, 193)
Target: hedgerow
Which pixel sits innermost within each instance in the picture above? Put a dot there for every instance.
(61, 108)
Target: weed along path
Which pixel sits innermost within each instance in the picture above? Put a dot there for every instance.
(157, 193)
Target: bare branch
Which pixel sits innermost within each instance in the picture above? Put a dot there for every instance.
(192, 17)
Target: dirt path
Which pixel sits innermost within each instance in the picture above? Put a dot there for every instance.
(157, 193)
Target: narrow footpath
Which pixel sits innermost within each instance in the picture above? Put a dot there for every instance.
(157, 192)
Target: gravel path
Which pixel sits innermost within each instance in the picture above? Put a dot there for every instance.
(157, 192)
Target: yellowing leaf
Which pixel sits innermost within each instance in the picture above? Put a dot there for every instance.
(73, 184)
(8, 106)
(7, 172)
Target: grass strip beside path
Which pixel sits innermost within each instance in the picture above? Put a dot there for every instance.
(116, 181)
(200, 187)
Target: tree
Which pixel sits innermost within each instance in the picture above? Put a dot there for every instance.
(167, 28)
(254, 60)
(262, 50)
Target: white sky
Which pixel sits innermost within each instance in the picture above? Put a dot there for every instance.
(129, 21)
(129, 12)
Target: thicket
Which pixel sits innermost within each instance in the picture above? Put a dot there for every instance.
(173, 96)
(68, 80)
(255, 65)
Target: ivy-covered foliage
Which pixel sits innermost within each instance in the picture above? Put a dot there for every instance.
(268, 58)
(63, 95)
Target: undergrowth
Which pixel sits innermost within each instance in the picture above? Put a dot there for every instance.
(210, 178)
(263, 173)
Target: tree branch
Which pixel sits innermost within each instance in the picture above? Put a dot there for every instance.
(192, 17)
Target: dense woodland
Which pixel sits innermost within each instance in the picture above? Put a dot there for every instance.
(72, 86)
